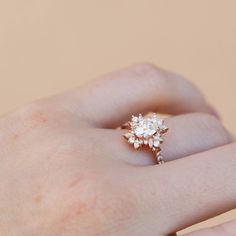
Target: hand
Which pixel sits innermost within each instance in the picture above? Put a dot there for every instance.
(66, 171)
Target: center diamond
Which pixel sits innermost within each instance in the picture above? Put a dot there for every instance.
(146, 127)
(146, 131)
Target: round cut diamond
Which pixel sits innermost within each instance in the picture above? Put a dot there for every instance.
(146, 127)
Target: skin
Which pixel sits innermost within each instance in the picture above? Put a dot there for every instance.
(66, 170)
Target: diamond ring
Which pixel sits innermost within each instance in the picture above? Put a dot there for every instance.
(146, 132)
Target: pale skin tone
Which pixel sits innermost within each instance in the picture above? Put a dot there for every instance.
(66, 170)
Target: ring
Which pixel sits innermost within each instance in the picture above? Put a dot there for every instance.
(146, 132)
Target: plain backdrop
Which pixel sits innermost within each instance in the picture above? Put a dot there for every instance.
(48, 46)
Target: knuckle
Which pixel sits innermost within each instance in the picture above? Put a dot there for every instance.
(30, 108)
(164, 80)
(32, 111)
(214, 127)
(35, 114)
(152, 77)
(147, 69)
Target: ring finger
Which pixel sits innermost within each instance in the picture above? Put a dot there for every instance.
(188, 134)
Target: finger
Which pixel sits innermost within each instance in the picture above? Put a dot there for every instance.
(191, 189)
(110, 101)
(188, 134)
(226, 229)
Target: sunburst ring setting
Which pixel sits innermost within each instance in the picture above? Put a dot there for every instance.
(146, 131)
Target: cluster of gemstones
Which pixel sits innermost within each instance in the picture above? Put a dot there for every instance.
(146, 131)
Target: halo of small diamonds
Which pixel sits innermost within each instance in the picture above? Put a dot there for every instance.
(148, 132)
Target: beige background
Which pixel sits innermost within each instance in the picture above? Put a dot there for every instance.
(47, 46)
